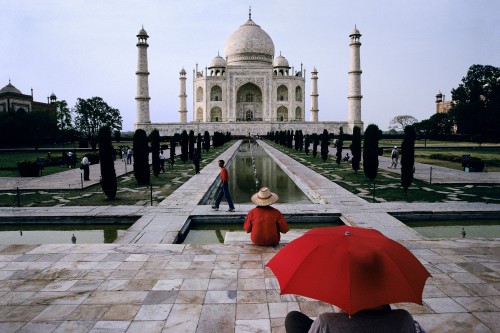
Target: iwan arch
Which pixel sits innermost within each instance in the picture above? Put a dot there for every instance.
(250, 91)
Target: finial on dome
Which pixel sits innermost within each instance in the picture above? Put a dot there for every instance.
(250, 12)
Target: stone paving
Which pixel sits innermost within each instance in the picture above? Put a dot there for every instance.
(142, 283)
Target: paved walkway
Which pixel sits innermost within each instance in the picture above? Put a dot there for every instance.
(70, 179)
(144, 284)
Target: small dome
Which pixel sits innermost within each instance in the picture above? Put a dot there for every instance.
(142, 33)
(249, 44)
(439, 93)
(280, 61)
(218, 62)
(10, 89)
(355, 32)
(183, 71)
(53, 96)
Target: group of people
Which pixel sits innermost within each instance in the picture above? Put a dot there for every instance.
(126, 154)
(265, 224)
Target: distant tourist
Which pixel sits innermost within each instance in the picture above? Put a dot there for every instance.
(346, 157)
(224, 191)
(394, 157)
(162, 162)
(86, 167)
(265, 222)
(129, 155)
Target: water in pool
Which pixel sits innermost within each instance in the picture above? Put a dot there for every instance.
(60, 234)
(455, 228)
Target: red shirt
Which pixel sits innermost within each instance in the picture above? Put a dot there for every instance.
(265, 225)
(223, 175)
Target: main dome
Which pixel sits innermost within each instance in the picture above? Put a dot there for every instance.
(249, 44)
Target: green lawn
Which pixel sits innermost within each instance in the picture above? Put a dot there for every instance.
(129, 193)
(388, 184)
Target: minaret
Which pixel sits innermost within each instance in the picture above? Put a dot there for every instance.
(142, 73)
(354, 98)
(314, 95)
(182, 97)
(439, 101)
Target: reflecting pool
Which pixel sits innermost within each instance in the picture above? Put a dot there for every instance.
(456, 228)
(84, 230)
(252, 168)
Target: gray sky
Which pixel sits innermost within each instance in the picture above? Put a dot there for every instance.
(86, 48)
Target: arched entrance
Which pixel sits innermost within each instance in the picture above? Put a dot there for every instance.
(249, 103)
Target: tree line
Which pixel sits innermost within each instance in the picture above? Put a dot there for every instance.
(474, 112)
(80, 123)
(368, 151)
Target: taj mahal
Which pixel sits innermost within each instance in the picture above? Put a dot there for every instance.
(249, 91)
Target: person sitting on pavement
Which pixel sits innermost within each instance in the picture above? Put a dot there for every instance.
(377, 319)
(265, 222)
(346, 157)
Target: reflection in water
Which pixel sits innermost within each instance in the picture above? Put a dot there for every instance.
(252, 169)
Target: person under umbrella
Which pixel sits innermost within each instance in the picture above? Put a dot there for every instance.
(265, 222)
(357, 269)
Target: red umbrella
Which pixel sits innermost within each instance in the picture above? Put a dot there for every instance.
(352, 268)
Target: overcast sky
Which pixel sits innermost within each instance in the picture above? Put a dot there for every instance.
(410, 49)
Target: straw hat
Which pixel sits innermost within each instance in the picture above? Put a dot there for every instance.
(264, 197)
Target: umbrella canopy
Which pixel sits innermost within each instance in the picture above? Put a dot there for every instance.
(352, 268)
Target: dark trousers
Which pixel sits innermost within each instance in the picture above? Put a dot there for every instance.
(86, 172)
(297, 322)
(224, 193)
(197, 166)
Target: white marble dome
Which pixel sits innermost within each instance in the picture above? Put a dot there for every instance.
(249, 44)
(280, 61)
(217, 62)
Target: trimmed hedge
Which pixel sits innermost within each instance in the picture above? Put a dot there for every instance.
(28, 169)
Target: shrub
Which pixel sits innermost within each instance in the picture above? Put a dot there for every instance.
(106, 156)
(141, 157)
(28, 169)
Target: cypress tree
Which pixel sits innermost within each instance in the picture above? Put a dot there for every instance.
(356, 148)
(407, 158)
(206, 141)
(141, 157)
(184, 146)
(301, 140)
(173, 143)
(107, 164)
(191, 144)
(370, 152)
(315, 144)
(307, 142)
(198, 143)
(340, 144)
(324, 145)
(154, 137)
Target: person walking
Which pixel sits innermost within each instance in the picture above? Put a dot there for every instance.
(196, 160)
(394, 157)
(224, 191)
(162, 161)
(265, 222)
(86, 167)
(129, 155)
